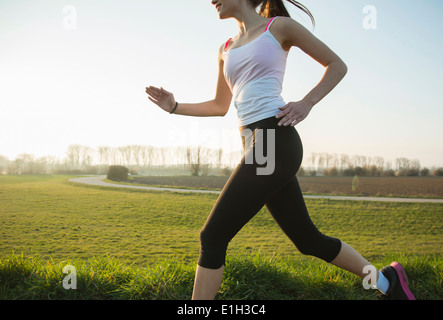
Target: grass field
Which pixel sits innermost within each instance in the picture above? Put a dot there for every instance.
(137, 244)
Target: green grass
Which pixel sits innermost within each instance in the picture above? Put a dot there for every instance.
(134, 244)
(245, 278)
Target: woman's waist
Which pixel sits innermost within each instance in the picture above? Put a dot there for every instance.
(259, 88)
(258, 108)
(266, 123)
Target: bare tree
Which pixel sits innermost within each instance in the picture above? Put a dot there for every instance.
(136, 154)
(104, 153)
(344, 161)
(86, 156)
(146, 155)
(4, 162)
(380, 162)
(125, 154)
(193, 156)
(16, 166)
(73, 156)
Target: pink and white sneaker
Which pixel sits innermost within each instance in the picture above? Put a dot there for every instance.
(398, 282)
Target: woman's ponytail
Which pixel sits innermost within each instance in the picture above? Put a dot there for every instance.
(274, 8)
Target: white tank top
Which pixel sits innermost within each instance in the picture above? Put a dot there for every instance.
(254, 73)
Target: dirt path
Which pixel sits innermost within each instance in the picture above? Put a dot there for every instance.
(98, 181)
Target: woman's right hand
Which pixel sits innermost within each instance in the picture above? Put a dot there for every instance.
(161, 97)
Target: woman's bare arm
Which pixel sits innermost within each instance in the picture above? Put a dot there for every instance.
(291, 33)
(218, 106)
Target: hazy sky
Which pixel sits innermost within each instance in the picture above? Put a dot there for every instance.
(74, 72)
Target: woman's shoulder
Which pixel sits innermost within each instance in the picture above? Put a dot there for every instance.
(282, 23)
(281, 26)
(288, 31)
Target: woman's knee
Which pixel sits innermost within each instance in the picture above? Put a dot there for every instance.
(212, 250)
(320, 246)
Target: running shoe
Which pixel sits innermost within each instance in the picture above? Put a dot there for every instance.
(398, 282)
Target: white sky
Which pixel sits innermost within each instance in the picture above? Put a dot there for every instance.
(86, 86)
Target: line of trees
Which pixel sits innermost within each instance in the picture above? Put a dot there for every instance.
(199, 160)
(138, 159)
(327, 164)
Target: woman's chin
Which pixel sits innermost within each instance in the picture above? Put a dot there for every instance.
(223, 16)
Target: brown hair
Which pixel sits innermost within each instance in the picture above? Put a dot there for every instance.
(274, 8)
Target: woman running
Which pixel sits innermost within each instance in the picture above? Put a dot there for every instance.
(251, 70)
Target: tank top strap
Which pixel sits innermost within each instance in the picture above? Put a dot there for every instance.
(226, 44)
(269, 23)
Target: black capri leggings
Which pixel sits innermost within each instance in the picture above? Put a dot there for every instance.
(255, 183)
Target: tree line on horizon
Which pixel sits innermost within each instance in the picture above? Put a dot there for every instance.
(198, 160)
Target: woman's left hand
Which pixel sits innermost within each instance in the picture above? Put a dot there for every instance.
(293, 113)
